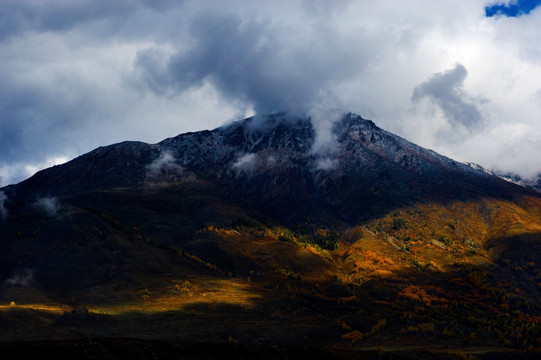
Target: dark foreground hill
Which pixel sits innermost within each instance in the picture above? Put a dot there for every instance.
(260, 232)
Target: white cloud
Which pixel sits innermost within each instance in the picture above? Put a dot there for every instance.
(536, 97)
(323, 120)
(165, 165)
(245, 162)
(326, 163)
(511, 144)
(12, 173)
(49, 205)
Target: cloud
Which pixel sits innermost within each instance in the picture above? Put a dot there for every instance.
(3, 210)
(22, 278)
(270, 66)
(323, 120)
(326, 163)
(325, 144)
(536, 97)
(245, 162)
(77, 75)
(49, 205)
(19, 16)
(164, 166)
(58, 100)
(446, 90)
(11, 173)
(511, 144)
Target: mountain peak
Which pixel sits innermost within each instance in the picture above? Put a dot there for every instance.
(343, 170)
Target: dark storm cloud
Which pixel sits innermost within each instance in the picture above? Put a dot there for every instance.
(260, 63)
(446, 91)
(51, 90)
(32, 112)
(18, 16)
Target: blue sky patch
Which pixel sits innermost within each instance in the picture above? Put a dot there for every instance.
(519, 8)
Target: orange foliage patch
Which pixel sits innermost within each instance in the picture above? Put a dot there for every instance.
(354, 335)
(380, 272)
(373, 256)
(372, 262)
(419, 294)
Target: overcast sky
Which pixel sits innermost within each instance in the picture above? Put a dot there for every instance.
(462, 77)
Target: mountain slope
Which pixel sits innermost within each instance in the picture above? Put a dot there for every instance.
(259, 225)
(365, 169)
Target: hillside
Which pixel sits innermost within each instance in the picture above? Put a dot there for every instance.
(253, 233)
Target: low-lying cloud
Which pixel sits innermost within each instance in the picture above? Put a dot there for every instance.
(3, 210)
(323, 120)
(326, 163)
(245, 162)
(22, 278)
(49, 205)
(163, 166)
(325, 143)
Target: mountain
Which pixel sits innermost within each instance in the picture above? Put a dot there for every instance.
(272, 230)
(533, 183)
(276, 163)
